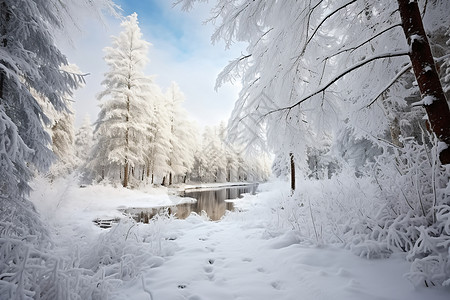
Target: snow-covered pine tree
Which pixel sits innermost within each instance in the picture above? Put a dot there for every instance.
(183, 139)
(214, 154)
(84, 140)
(63, 144)
(63, 134)
(159, 145)
(30, 67)
(123, 124)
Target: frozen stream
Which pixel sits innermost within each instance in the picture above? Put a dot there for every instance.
(213, 201)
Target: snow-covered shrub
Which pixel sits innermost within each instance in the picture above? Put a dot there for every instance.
(121, 252)
(393, 205)
(415, 214)
(29, 266)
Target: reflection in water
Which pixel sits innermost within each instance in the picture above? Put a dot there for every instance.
(211, 201)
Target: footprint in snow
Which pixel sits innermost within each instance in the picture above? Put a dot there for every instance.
(209, 272)
(276, 285)
(208, 269)
(247, 259)
(261, 270)
(343, 272)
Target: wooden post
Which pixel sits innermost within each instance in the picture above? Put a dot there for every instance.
(291, 156)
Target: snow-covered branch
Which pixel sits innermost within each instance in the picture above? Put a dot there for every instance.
(318, 27)
(364, 42)
(342, 74)
(394, 80)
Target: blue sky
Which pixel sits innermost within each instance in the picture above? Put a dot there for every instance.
(160, 21)
(181, 51)
(155, 14)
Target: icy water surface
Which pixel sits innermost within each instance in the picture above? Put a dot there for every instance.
(211, 201)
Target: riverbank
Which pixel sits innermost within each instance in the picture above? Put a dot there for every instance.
(208, 186)
(65, 199)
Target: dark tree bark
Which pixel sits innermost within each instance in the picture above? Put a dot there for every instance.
(291, 156)
(125, 174)
(426, 74)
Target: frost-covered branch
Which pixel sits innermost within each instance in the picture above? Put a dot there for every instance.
(342, 74)
(394, 80)
(364, 42)
(323, 21)
(225, 75)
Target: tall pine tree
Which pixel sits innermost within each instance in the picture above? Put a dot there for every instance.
(123, 124)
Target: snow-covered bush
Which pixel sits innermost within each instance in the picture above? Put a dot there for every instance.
(415, 217)
(32, 267)
(399, 205)
(121, 253)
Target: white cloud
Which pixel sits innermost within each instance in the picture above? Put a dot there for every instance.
(185, 56)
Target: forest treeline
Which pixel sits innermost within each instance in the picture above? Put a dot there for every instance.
(144, 135)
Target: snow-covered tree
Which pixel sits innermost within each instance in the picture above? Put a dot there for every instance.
(159, 146)
(183, 138)
(30, 68)
(214, 155)
(84, 140)
(63, 139)
(123, 124)
(63, 133)
(217, 160)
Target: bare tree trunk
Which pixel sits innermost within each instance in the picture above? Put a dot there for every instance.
(125, 174)
(426, 74)
(170, 178)
(291, 156)
(164, 181)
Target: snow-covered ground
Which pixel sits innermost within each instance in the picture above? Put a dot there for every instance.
(243, 256)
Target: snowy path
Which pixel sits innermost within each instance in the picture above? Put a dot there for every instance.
(226, 260)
